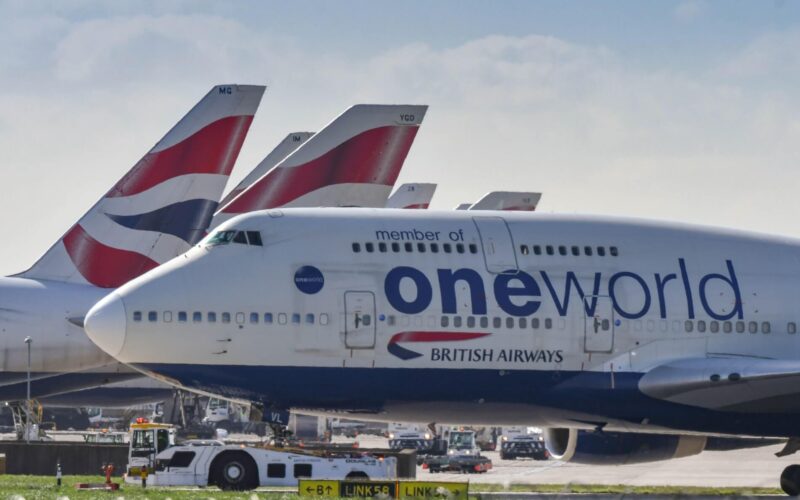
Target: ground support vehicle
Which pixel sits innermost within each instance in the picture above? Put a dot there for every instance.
(526, 446)
(458, 453)
(154, 453)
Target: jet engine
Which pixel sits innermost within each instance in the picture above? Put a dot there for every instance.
(618, 448)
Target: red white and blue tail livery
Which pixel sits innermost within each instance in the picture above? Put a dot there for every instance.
(163, 205)
(352, 161)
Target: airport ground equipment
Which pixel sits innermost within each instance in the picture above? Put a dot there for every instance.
(521, 442)
(410, 437)
(459, 453)
(231, 467)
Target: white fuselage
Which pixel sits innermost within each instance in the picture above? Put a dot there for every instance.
(509, 317)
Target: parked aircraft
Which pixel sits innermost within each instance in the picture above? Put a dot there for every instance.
(628, 340)
(413, 195)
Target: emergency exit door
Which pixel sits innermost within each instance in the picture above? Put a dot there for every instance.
(598, 327)
(359, 323)
(498, 247)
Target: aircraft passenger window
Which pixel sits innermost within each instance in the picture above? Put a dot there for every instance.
(484, 322)
(296, 318)
(576, 251)
(254, 318)
(167, 316)
(535, 323)
(473, 248)
(268, 318)
(240, 318)
(137, 315)
(226, 317)
(509, 322)
(613, 251)
(548, 323)
(369, 247)
(497, 322)
(212, 317)
(409, 247)
(523, 322)
(434, 248)
(765, 327)
(791, 327)
(701, 326)
(366, 320)
(601, 251)
(395, 247)
(356, 247)
(447, 247)
(457, 321)
(587, 250)
(562, 250)
(727, 327)
(606, 325)
(221, 238)
(689, 326)
(197, 317)
(445, 321)
(523, 249)
(460, 247)
(240, 238)
(254, 237)
(549, 249)
(421, 247)
(471, 322)
(740, 327)
(276, 470)
(753, 327)
(282, 318)
(382, 247)
(714, 326)
(309, 318)
(390, 320)
(302, 470)
(537, 249)
(152, 316)
(323, 319)
(182, 316)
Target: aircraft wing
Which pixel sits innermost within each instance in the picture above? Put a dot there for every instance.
(736, 384)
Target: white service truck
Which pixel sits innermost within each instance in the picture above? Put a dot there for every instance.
(522, 442)
(403, 436)
(154, 454)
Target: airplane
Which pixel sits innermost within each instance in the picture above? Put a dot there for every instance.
(281, 151)
(352, 161)
(157, 211)
(462, 206)
(627, 340)
(412, 195)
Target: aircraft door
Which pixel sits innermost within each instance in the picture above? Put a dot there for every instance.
(598, 327)
(498, 246)
(359, 323)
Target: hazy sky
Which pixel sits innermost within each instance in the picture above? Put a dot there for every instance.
(685, 110)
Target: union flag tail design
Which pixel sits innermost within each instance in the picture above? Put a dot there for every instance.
(508, 200)
(164, 204)
(292, 141)
(414, 195)
(353, 161)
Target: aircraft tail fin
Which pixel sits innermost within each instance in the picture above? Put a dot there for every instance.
(508, 200)
(291, 142)
(163, 205)
(412, 195)
(352, 161)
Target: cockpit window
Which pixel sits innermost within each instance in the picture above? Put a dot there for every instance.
(241, 237)
(221, 238)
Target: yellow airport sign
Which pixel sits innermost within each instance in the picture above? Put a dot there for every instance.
(430, 489)
(318, 488)
(368, 489)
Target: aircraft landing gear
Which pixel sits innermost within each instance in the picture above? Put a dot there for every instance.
(790, 480)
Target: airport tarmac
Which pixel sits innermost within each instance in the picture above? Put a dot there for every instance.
(757, 467)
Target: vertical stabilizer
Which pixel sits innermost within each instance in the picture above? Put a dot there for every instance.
(163, 205)
(353, 161)
(412, 195)
(292, 141)
(508, 200)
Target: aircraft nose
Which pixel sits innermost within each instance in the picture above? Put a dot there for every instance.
(106, 324)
